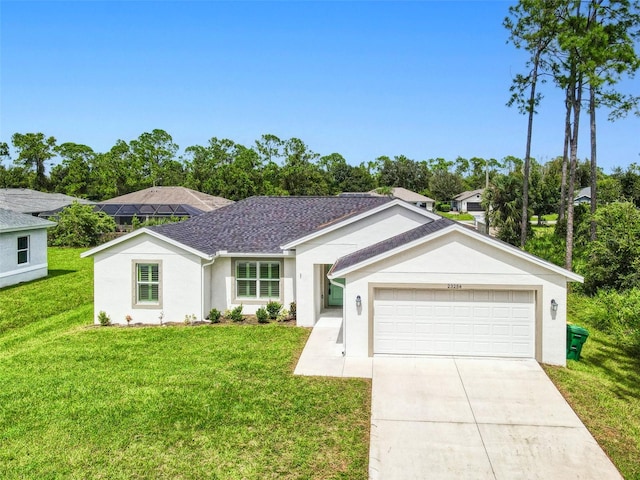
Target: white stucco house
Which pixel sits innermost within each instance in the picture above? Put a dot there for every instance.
(405, 280)
(469, 201)
(23, 247)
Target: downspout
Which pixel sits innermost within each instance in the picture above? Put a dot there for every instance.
(344, 323)
(202, 315)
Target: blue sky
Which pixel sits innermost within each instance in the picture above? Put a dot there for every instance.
(422, 79)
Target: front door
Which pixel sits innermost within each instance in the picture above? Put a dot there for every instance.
(334, 294)
(334, 297)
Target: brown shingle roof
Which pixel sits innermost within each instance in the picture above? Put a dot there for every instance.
(171, 196)
(264, 224)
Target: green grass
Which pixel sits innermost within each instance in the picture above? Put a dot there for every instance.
(604, 390)
(552, 217)
(457, 216)
(79, 401)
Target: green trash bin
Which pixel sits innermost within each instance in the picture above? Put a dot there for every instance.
(576, 336)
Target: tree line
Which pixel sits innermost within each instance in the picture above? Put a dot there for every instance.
(288, 167)
(222, 167)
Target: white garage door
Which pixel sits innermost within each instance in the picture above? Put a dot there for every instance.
(496, 323)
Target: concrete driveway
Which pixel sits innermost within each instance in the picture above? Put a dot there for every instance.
(460, 418)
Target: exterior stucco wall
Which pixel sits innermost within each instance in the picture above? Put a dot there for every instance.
(10, 271)
(458, 259)
(326, 249)
(114, 282)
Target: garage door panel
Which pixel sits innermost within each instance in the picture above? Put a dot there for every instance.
(443, 322)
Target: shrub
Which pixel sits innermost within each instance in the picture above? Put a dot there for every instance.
(103, 318)
(214, 315)
(236, 314)
(189, 319)
(79, 226)
(283, 316)
(444, 207)
(263, 315)
(617, 314)
(292, 310)
(273, 308)
(613, 259)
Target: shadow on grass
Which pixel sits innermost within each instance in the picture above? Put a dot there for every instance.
(617, 363)
(52, 274)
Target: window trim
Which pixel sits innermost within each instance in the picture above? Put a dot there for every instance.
(258, 300)
(26, 250)
(135, 302)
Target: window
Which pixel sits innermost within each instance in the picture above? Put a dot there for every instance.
(148, 283)
(258, 279)
(23, 250)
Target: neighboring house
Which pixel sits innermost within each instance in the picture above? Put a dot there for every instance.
(468, 201)
(583, 196)
(160, 202)
(23, 247)
(411, 197)
(406, 280)
(33, 202)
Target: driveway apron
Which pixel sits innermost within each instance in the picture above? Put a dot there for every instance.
(464, 418)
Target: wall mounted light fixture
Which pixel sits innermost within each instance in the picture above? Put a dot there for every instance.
(358, 301)
(554, 305)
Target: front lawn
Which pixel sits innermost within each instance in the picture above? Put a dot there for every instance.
(604, 390)
(79, 401)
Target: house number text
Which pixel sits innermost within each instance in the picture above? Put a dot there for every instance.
(455, 286)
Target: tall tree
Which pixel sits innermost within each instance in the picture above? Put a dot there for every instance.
(532, 26)
(34, 150)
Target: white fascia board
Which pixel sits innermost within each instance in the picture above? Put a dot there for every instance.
(470, 233)
(27, 227)
(224, 253)
(373, 211)
(145, 231)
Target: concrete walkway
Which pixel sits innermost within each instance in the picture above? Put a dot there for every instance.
(462, 418)
(322, 355)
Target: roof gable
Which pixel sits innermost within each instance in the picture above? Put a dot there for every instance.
(346, 221)
(425, 233)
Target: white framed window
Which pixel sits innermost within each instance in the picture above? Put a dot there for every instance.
(147, 283)
(258, 279)
(23, 250)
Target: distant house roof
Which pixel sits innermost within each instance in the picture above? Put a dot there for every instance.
(390, 244)
(406, 195)
(584, 193)
(11, 221)
(264, 224)
(469, 193)
(171, 196)
(24, 200)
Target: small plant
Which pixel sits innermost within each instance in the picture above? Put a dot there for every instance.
(283, 316)
(236, 314)
(214, 315)
(273, 308)
(128, 319)
(263, 315)
(189, 319)
(292, 310)
(103, 318)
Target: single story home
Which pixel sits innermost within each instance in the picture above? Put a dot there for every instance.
(410, 196)
(470, 201)
(23, 247)
(159, 202)
(405, 280)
